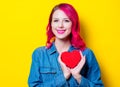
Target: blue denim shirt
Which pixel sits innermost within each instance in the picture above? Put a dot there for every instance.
(46, 71)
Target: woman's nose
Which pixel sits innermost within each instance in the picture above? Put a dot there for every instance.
(60, 24)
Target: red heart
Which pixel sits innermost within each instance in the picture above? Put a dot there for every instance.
(71, 59)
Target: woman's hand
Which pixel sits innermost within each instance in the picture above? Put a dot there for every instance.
(65, 69)
(76, 70)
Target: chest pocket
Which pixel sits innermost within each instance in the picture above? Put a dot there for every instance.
(47, 73)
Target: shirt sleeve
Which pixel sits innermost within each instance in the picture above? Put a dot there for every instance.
(35, 79)
(93, 77)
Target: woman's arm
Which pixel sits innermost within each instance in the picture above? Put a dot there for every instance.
(35, 79)
(93, 76)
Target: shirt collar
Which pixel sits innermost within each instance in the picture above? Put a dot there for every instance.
(53, 49)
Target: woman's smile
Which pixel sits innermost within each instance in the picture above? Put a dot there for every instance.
(60, 31)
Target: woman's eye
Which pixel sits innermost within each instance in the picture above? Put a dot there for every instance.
(55, 20)
(67, 20)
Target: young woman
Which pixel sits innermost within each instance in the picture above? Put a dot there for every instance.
(63, 34)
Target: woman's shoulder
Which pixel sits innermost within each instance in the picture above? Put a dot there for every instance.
(87, 51)
(90, 56)
(39, 49)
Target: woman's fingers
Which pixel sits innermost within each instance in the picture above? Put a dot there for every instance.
(81, 63)
(60, 61)
(81, 54)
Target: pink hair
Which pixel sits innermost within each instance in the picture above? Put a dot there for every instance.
(75, 37)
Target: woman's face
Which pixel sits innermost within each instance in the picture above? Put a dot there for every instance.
(61, 25)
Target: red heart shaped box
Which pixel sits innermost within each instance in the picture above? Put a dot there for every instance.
(71, 59)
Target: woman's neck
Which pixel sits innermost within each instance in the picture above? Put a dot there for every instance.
(62, 45)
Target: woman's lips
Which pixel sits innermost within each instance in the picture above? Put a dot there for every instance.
(60, 31)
